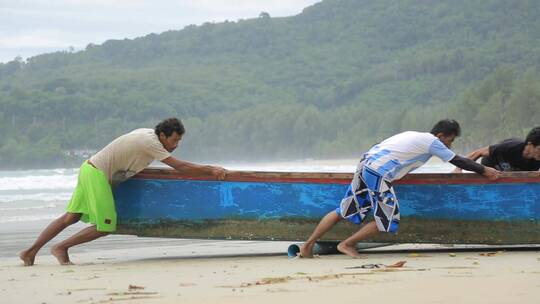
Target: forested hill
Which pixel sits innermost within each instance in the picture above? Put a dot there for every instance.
(329, 82)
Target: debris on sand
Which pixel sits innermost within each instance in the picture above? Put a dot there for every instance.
(490, 254)
(398, 264)
(135, 287)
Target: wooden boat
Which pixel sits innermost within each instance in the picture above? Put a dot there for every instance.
(435, 208)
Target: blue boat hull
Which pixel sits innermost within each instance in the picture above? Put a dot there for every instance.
(440, 208)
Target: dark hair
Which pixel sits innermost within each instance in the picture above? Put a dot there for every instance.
(446, 127)
(169, 126)
(533, 137)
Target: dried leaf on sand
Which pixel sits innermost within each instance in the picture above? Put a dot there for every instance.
(135, 287)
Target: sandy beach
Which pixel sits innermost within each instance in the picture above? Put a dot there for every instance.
(184, 271)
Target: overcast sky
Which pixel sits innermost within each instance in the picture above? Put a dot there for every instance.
(32, 27)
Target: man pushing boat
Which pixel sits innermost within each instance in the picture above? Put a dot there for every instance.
(512, 154)
(92, 201)
(371, 188)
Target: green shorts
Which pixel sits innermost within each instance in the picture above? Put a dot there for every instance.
(94, 199)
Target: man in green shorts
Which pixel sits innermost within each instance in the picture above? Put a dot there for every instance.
(92, 201)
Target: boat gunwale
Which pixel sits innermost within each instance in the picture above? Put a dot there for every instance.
(342, 178)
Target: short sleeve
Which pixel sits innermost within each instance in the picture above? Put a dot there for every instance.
(155, 149)
(438, 149)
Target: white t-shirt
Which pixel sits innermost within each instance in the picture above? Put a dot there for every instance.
(129, 154)
(404, 152)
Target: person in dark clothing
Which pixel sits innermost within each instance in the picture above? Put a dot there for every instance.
(511, 154)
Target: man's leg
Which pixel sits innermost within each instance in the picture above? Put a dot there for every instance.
(327, 222)
(60, 250)
(348, 246)
(28, 256)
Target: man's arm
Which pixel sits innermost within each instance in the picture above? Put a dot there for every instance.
(194, 169)
(471, 165)
(474, 155)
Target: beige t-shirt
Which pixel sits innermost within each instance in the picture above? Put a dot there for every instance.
(129, 154)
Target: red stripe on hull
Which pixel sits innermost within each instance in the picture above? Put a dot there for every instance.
(345, 178)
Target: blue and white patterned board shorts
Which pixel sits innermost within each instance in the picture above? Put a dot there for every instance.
(369, 190)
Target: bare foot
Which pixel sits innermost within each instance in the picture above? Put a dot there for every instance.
(349, 250)
(27, 257)
(61, 255)
(306, 251)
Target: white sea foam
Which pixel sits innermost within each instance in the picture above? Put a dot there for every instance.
(39, 182)
(35, 197)
(36, 187)
(346, 166)
(27, 218)
(47, 206)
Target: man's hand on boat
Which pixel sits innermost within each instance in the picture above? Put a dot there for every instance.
(491, 174)
(219, 173)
